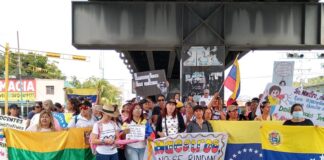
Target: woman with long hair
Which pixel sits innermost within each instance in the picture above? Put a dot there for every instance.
(45, 123)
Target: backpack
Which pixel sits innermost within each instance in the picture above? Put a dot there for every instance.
(94, 146)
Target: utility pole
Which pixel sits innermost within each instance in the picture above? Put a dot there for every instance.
(19, 72)
(7, 53)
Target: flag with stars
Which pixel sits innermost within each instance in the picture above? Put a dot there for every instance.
(292, 142)
(244, 140)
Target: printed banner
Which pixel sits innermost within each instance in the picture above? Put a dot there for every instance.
(191, 146)
(283, 73)
(137, 132)
(292, 142)
(12, 122)
(281, 99)
(151, 83)
(86, 93)
(28, 90)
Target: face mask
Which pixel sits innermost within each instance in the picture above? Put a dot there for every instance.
(298, 114)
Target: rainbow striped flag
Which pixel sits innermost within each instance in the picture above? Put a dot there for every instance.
(292, 142)
(233, 80)
(71, 145)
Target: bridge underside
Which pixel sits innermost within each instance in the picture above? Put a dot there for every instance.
(156, 35)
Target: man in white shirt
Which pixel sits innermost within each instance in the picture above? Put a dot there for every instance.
(205, 99)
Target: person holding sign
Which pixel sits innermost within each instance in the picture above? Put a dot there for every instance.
(199, 124)
(137, 128)
(298, 117)
(170, 122)
(105, 133)
(45, 123)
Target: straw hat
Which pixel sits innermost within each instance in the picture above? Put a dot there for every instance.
(110, 110)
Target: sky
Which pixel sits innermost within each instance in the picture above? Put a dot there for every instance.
(46, 26)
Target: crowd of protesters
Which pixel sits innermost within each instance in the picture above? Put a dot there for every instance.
(166, 117)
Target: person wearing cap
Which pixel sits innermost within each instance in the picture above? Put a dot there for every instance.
(135, 151)
(170, 122)
(105, 133)
(199, 124)
(14, 111)
(232, 113)
(181, 109)
(84, 119)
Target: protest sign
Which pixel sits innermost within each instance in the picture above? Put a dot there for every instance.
(281, 98)
(283, 72)
(12, 122)
(136, 132)
(150, 83)
(3, 149)
(191, 146)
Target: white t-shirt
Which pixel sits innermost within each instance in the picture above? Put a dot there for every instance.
(172, 125)
(81, 122)
(108, 131)
(206, 100)
(140, 144)
(35, 119)
(33, 128)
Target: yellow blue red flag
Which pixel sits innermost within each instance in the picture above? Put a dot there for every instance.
(233, 80)
(292, 142)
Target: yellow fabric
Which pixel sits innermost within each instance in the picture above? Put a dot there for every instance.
(241, 132)
(294, 139)
(47, 141)
(82, 91)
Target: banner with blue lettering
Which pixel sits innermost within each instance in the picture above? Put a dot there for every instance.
(281, 98)
(191, 146)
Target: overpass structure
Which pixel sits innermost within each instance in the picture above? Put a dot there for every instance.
(195, 40)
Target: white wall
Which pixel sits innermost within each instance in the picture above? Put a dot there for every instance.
(58, 90)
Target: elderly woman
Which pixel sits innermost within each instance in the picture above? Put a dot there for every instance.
(45, 123)
(298, 118)
(170, 122)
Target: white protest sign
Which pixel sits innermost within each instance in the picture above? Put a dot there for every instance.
(191, 146)
(281, 99)
(12, 122)
(137, 132)
(3, 149)
(283, 72)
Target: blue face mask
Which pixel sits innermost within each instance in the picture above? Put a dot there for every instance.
(298, 114)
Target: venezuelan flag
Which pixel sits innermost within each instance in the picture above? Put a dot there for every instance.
(89, 93)
(233, 80)
(292, 142)
(70, 145)
(244, 141)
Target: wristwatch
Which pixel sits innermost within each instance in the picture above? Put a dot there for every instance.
(102, 141)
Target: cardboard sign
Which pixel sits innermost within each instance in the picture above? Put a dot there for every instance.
(137, 132)
(12, 122)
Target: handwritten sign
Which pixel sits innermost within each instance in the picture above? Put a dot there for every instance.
(191, 146)
(12, 122)
(281, 99)
(137, 132)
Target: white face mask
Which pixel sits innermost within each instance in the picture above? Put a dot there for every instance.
(298, 114)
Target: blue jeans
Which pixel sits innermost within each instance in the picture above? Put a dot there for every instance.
(107, 157)
(134, 153)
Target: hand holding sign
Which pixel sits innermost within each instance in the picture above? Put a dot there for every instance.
(136, 132)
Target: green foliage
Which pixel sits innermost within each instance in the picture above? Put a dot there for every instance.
(109, 94)
(32, 66)
(311, 81)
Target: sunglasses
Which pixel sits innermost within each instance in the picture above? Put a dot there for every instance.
(84, 107)
(160, 100)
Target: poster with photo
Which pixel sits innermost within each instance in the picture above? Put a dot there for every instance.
(203, 68)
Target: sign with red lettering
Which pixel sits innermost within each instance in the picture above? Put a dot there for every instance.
(27, 87)
(191, 146)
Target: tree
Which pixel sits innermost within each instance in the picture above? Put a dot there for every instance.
(108, 93)
(32, 66)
